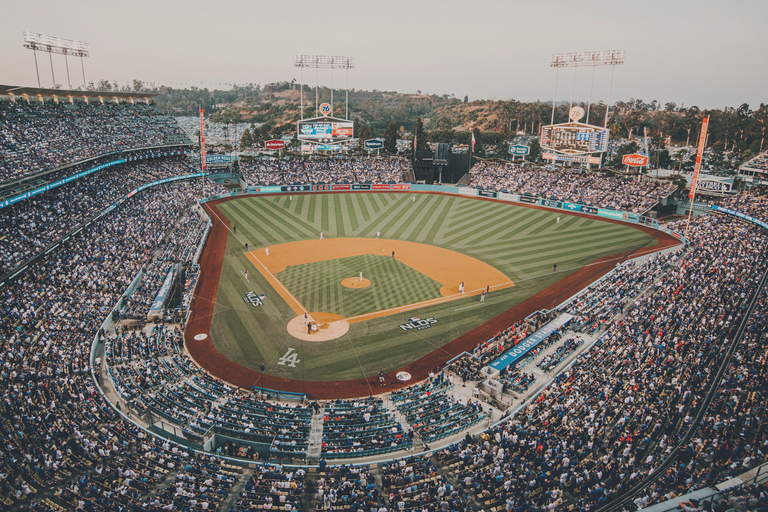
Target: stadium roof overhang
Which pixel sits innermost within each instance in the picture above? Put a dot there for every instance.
(63, 94)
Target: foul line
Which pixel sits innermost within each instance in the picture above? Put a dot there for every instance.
(294, 304)
(423, 304)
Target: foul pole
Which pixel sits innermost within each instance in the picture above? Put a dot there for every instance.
(696, 168)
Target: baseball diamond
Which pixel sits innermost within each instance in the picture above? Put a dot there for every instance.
(425, 250)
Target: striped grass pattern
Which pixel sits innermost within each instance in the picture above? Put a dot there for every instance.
(316, 285)
(521, 242)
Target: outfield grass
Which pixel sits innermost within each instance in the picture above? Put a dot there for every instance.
(316, 285)
(521, 242)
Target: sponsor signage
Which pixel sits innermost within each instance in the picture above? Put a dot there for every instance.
(741, 216)
(635, 160)
(325, 109)
(519, 150)
(343, 186)
(401, 186)
(520, 350)
(328, 147)
(589, 209)
(467, 191)
(295, 188)
(487, 193)
(572, 207)
(576, 113)
(274, 144)
(403, 376)
(217, 159)
(272, 188)
(614, 214)
(382, 186)
(254, 299)
(509, 197)
(528, 199)
(374, 143)
(551, 203)
(416, 323)
(361, 186)
(320, 188)
(714, 185)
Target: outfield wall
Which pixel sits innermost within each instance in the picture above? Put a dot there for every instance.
(554, 204)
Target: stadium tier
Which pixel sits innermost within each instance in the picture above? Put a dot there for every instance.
(37, 137)
(656, 385)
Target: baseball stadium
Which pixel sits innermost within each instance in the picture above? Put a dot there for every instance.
(265, 297)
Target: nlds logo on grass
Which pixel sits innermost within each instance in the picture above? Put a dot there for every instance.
(254, 299)
(418, 323)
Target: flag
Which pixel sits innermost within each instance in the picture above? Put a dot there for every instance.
(473, 141)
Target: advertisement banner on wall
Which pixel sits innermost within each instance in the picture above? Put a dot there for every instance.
(466, 191)
(509, 197)
(551, 203)
(528, 199)
(382, 186)
(296, 188)
(572, 207)
(401, 186)
(487, 193)
(614, 214)
(589, 209)
(362, 186)
(321, 188)
(342, 187)
(266, 190)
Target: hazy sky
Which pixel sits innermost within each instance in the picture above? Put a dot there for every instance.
(706, 53)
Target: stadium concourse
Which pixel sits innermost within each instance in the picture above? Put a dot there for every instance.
(656, 390)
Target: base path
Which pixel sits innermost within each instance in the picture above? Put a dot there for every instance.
(214, 362)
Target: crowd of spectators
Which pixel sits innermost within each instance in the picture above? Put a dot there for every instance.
(618, 193)
(359, 426)
(759, 162)
(602, 426)
(326, 170)
(29, 226)
(36, 136)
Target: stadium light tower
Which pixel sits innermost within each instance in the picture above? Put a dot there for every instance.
(50, 44)
(327, 62)
(581, 59)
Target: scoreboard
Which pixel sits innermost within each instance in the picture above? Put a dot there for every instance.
(574, 138)
(325, 130)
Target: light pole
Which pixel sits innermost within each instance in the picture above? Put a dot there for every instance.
(326, 62)
(262, 368)
(34, 41)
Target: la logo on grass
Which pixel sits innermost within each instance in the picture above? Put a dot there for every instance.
(418, 323)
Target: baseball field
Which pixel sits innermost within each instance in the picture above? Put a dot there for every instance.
(379, 276)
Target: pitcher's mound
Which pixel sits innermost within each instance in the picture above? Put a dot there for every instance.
(355, 282)
(329, 327)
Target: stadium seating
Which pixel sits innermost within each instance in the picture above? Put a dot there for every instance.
(603, 425)
(41, 136)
